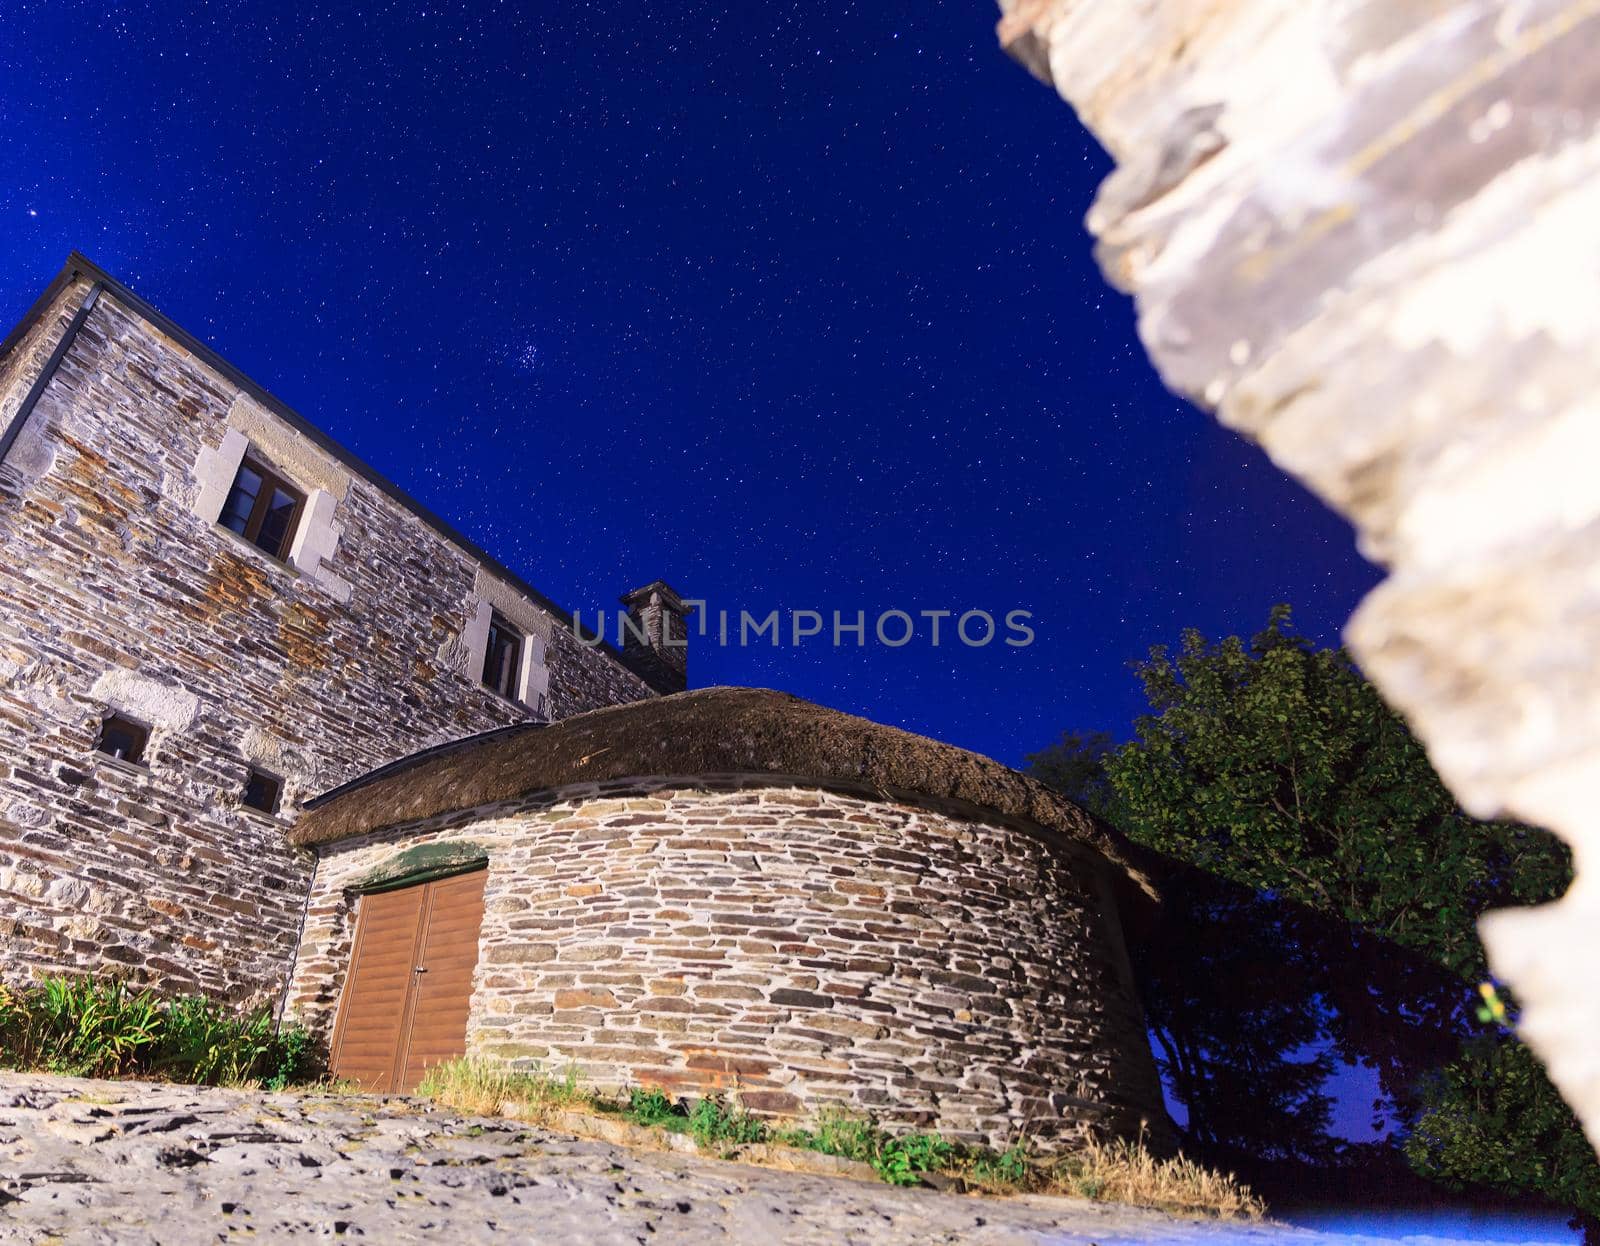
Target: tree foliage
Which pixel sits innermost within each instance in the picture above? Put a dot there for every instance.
(1491, 1118)
(1234, 1026)
(1275, 764)
(1075, 765)
(1331, 909)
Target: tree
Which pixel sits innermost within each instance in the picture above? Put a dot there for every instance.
(1492, 1118)
(1235, 1029)
(1075, 765)
(1274, 765)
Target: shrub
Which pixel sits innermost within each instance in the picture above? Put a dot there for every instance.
(713, 1122)
(292, 1059)
(86, 1027)
(905, 1159)
(653, 1107)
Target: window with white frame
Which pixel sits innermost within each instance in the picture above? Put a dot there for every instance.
(502, 658)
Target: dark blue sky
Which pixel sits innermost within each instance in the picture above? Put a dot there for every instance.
(787, 303)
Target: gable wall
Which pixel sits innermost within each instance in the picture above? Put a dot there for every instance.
(118, 593)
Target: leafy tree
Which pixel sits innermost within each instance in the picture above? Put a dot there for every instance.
(1273, 764)
(1236, 1032)
(1276, 765)
(1492, 1118)
(1075, 765)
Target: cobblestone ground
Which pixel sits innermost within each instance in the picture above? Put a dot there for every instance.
(129, 1162)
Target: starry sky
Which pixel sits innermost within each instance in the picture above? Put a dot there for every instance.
(789, 304)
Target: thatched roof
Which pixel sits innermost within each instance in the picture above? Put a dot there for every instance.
(711, 731)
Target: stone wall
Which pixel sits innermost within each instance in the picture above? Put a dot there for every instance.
(117, 592)
(807, 948)
(1363, 232)
(21, 364)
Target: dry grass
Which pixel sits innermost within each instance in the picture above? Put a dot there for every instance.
(329, 1085)
(1124, 1172)
(1110, 1172)
(479, 1087)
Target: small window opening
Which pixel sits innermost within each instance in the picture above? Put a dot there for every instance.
(503, 658)
(262, 791)
(123, 739)
(263, 508)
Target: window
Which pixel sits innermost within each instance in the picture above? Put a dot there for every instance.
(123, 739)
(262, 791)
(262, 508)
(502, 660)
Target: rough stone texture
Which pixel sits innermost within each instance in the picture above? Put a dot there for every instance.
(656, 633)
(26, 349)
(141, 1165)
(1363, 231)
(116, 594)
(806, 948)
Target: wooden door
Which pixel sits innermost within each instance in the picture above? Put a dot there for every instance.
(407, 993)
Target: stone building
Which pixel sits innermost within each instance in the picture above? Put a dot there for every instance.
(732, 889)
(210, 614)
(209, 611)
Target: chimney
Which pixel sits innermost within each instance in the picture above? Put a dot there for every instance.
(655, 638)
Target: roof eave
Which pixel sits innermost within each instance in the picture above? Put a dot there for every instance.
(79, 265)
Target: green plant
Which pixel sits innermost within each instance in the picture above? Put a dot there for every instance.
(899, 1160)
(96, 1028)
(652, 1107)
(77, 1026)
(291, 1058)
(206, 1043)
(1010, 1167)
(903, 1160)
(850, 1137)
(714, 1122)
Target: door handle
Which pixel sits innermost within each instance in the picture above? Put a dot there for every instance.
(420, 969)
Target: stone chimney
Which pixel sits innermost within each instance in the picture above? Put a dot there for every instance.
(655, 638)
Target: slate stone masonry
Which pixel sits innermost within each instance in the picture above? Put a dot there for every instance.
(801, 947)
(117, 594)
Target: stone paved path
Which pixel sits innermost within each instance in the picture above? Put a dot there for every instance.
(128, 1162)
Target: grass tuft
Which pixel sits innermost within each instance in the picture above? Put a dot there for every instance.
(653, 1107)
(479, 1087)
(714, 1124)
(1124, 1172)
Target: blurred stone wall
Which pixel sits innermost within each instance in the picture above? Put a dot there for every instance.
(1366, 233)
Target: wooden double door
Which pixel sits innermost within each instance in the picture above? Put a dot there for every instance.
(409, 986)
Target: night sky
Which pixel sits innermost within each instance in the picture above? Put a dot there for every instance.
(789, 304)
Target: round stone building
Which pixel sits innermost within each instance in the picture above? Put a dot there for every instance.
(734, 891)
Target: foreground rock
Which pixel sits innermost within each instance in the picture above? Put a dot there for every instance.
(1363, 232)
(130, 1162)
